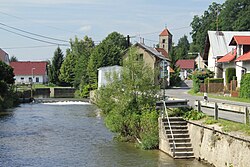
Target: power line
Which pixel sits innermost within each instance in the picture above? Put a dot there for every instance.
(32, 37)
(27, 32)
(28, 47)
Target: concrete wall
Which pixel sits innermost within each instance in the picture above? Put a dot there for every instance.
(163, 140)
(64, 92)
(217, 148)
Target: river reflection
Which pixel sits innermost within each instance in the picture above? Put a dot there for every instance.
(45, 135)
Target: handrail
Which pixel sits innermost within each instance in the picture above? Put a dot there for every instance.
(172, 135)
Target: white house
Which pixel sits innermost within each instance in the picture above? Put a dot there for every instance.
(27, 72)
(103, 72)
(238, 58)
(217, 46)
(4, 57)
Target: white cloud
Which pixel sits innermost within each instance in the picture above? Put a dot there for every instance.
(85, 28)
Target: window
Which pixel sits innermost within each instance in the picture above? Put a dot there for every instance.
(22, 78)
(163, 40)
(139, 57)
(37, 79)
(30, 79)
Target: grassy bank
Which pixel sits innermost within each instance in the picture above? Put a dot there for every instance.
(217, 96)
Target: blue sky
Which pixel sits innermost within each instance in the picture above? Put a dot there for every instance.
(65, 19)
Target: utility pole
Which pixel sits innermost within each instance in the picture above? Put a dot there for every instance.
(128, 41)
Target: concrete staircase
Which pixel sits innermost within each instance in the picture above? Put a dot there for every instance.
(183, 146)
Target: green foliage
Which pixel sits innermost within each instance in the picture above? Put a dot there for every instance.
(55, 66)
(178, 112)
(214, 80)
(175, 79)
(194, 115)
(149, 130)
(199, 77)
(230, 74)
(13, 59)
(7, 96)
(200, 25)
(210, 121)
(109, 52)
(182, 48)
(129, 99)
(244, 86)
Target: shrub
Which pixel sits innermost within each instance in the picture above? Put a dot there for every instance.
(199, 77)
(244, 86)
(194, 115)
(214, 80)
(230, 73)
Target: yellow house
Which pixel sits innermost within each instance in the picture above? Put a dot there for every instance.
(156, 60)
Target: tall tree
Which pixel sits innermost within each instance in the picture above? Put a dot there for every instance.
(55, 66)
(200, 25)
(182, 48)
(6, 86)
(109, 52)
(175, 79)
(67, 71)
(13, 59)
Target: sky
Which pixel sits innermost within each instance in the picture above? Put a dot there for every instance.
(27, 25)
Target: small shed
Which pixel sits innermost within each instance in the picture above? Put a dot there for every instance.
(104, 71)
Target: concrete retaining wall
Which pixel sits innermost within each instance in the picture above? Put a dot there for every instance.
(163, 140)
(218, 148)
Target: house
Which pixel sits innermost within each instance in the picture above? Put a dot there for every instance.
(217, 46)
(4, 57)
(30, 71)
(104, 71)
(186, 67)
(199, 62)
(155, 60)
(238, 58)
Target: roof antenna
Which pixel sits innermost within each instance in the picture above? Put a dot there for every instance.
(166, 26)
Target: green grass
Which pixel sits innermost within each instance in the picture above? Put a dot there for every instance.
(229, 126)
(238, 99)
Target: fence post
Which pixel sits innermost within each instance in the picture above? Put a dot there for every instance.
(199, 106)
(246, 116)
(216, 111)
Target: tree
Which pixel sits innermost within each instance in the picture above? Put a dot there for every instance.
(13, 59)
(55, 66)
(7, 97)
(67, 71)
(182, 48)
(109, 52)
(200, 25)
(175, 79)
(130, 98)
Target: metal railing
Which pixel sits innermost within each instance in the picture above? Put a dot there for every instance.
(171, 132)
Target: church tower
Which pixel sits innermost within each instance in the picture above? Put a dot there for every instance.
(165, 40)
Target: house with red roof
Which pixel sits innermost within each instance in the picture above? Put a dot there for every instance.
(187, 66)
(4, 57)
(30, 71)
(238, 58)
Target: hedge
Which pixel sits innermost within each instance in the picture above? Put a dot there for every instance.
(214, 80)
(230, 73)
(245, 86)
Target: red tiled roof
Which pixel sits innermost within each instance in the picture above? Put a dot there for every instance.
(185, 64)
(228, 57)
(25, 67)
(165, 32)
(240, 40)
(244, 57)
(162, 51)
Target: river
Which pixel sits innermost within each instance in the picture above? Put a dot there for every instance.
(68, 135)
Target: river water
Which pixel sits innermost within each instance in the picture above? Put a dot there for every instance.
(68, 135)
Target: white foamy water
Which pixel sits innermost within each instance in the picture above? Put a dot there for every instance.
(68, 103)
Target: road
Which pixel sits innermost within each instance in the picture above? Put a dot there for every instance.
(181, 92)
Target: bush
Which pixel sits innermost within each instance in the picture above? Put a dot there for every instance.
(230, 74)
(244, 86)
(194, 115)
(199, 77)
(214, 80)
